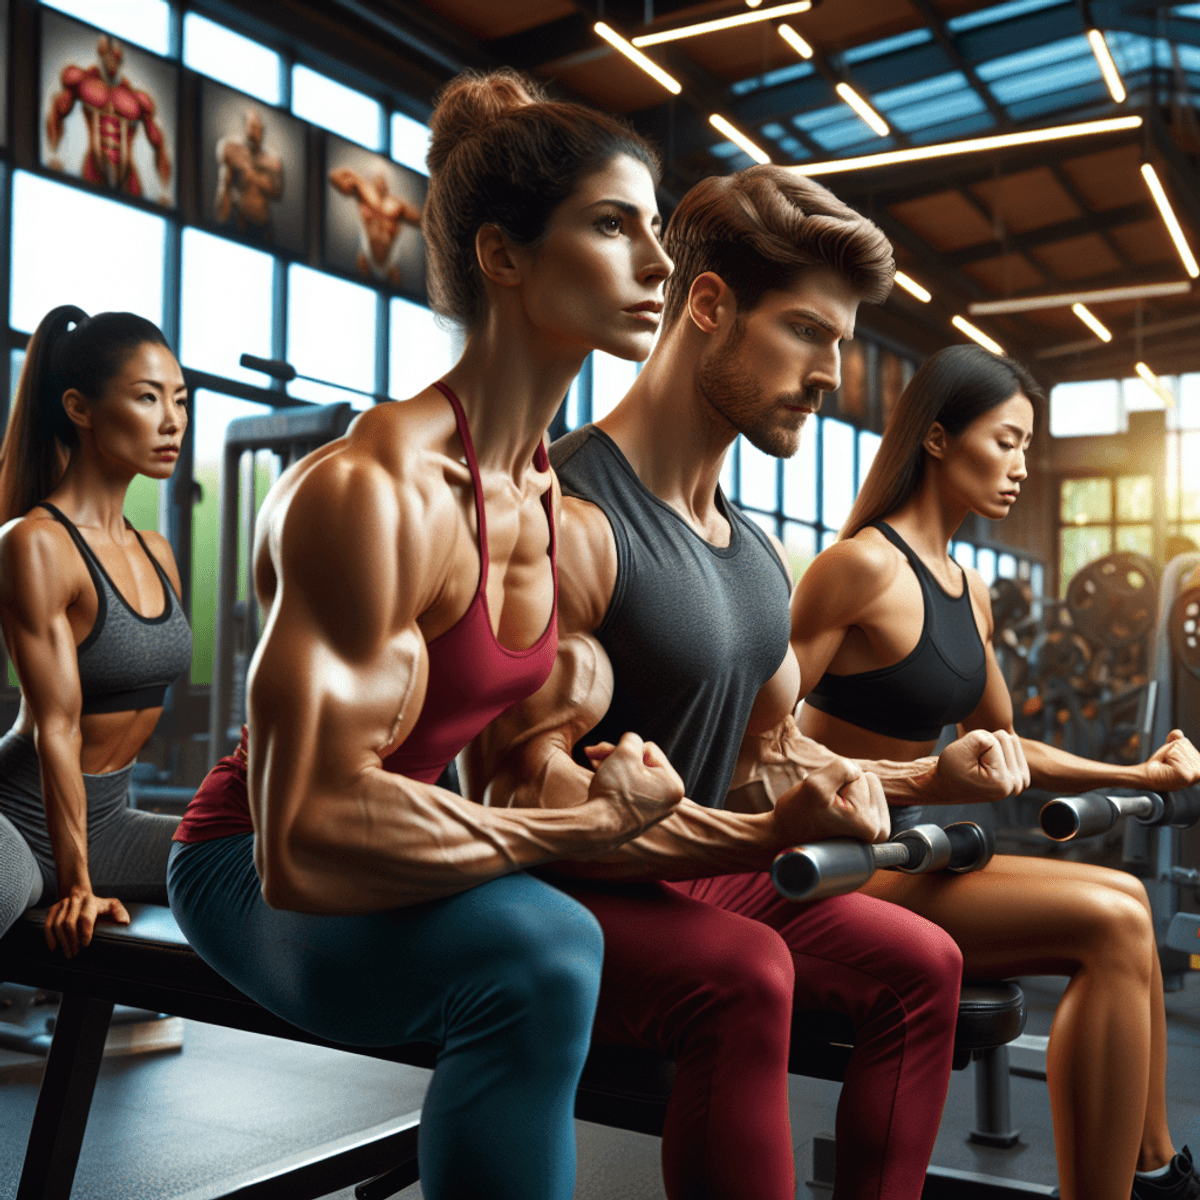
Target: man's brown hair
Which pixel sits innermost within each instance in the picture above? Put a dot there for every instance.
(762, 228)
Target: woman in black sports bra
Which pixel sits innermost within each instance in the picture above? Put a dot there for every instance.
(91, 617)
(894, 641)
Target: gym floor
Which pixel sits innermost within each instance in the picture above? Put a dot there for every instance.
(172, 1125)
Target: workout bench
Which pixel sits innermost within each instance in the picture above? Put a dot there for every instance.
(149, 965)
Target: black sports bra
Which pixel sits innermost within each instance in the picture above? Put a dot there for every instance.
(940, 683)
(128, 661)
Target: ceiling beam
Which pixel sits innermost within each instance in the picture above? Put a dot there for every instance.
(1060, 231)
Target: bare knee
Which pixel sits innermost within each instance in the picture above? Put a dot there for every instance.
(1119, 930)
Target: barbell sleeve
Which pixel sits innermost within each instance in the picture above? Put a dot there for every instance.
(1094, 812)
(841, 865)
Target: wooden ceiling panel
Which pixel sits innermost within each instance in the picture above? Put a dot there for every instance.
(947, 220)
(1078, 258)
(1148, 242)
(1109, 179)
(611, 82)
(485, 19)
(1006, 274)
(1027, 200)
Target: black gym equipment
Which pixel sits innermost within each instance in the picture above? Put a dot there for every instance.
(841, 865)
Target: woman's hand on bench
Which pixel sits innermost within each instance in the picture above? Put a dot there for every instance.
(70, 922)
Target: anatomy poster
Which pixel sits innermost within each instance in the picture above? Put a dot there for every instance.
(252, 168)
(108, 111)
(372, 217)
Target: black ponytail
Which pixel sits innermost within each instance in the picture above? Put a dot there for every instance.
(68, 350)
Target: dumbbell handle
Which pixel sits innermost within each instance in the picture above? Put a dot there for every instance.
(844, 864)
(1094, 812)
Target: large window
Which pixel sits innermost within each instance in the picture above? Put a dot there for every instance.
(1101, 514)
(331, 336)
(72, 247)
(222, 54)
(226, 305)
(325, 102)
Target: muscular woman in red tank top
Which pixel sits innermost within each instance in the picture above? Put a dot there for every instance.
(406, 573)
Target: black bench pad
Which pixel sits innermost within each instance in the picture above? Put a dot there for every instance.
(149, 964)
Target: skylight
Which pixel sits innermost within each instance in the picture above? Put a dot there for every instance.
(1000, 12)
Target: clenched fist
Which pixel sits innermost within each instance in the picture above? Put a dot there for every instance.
(839, 800)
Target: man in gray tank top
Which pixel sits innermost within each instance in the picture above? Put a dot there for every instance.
(674, 623)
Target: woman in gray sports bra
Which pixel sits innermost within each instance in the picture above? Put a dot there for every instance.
(894, 640)
(91, 617)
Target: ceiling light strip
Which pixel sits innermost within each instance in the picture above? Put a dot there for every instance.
(686, 31)
(736, 136)
(976, 334)
(1155, 384)
(863, 109)
(1092, 322)
(794, 40)
(614, 39)
(984, 308)
(1108, 68)
(1026, 137)
(1170, 220)
(910, 285)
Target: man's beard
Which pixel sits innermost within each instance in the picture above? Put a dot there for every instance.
(731, 389)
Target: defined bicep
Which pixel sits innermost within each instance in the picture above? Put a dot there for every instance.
(505, 762)
(339, 675)
(818, 629)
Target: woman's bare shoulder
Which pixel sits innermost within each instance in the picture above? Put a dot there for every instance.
(38, 563)
(866, 560)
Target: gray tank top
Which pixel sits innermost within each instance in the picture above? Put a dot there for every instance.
(693, 630)
(128, 661)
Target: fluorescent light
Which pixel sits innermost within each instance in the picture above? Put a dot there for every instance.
(794, 40)
(766, 14)
(753, 3)
(984, 308)
(1092, 322)
(913, 287)
(739, 138)
(1170, 220)
(1108, 68)
(1155, 384)
(652, 69)
(977, 334)
(864, 110)
(1026, 137)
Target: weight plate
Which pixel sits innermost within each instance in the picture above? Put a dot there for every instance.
(1184, 627)
(1113, 601)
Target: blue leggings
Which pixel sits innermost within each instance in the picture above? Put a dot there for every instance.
(503, 978)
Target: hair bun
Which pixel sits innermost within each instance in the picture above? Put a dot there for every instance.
(471, 102)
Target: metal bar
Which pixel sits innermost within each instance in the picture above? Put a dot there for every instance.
(60, 1119)
(227, 555)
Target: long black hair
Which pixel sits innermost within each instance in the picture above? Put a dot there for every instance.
(68, 350)
(952, 388)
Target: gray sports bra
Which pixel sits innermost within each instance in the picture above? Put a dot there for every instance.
(128, 661)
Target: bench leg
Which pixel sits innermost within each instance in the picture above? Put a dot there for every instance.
(64, 1099)
(992, 1118)
(389, 1183)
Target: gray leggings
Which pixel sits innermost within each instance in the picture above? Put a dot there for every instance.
(127, 849)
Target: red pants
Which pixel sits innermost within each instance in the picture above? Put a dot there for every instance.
(706, 972)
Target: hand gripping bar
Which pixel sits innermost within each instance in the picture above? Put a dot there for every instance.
(844, 864)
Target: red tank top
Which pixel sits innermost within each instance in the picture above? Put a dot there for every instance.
(472, 680)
